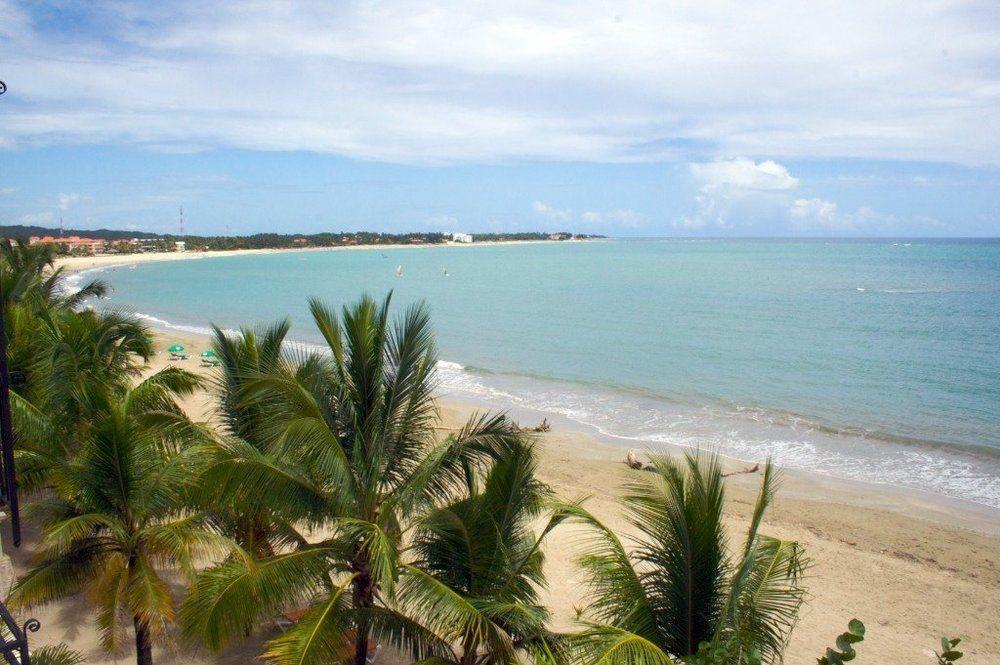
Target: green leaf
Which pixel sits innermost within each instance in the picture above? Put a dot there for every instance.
(856, 628)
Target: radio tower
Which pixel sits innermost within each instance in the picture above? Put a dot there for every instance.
(61, 227)
(182, 221)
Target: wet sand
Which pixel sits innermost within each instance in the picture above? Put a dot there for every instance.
(913, 567)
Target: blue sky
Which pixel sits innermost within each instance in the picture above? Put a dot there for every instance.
(709, 118)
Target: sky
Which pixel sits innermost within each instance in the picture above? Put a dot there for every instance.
(699, 118)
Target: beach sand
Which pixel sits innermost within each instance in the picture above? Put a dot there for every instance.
(77, 263)
(912, 567)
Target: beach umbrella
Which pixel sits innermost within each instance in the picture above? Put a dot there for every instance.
(176, 348)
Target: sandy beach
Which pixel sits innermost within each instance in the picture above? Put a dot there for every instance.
(78, 263)
(911, 566)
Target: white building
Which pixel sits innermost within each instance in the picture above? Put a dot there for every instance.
(180, 246)
(461, 237)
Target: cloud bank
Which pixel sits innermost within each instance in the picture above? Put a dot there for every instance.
(745, 174)
(454, 82)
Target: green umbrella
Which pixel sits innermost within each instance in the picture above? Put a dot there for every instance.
(208, 354)
(176, 348)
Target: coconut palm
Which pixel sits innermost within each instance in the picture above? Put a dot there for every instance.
(76, 357)
(676, 590)
(351, 451)
(31, 290)
(27, 271)
(478, 566)
(243, 358)
(117, 517)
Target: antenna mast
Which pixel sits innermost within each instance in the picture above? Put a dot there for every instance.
(182, 221)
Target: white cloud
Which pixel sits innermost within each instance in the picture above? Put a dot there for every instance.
(66, 200)
(453, 81)
(737, 186)
(7, 191)
(709, 214)
(743, 174)
(815, 213)
(555, 214)
(821, 215)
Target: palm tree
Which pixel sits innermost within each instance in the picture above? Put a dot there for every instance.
(118, 516)
(245, 358)
(32, 290)
(27, 271)
(75, 358)
(351, 449)
(676, 590)
(478, 565)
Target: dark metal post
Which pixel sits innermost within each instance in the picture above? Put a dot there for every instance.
(9, 489)
(7, 433)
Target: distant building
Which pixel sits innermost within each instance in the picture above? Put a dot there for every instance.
(300, 242)
(145, 244)
(70, 243)
(562, 235)
(180, 246)
(461, 237)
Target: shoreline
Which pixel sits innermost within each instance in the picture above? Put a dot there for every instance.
(75, 264)
(910, 569)
(934, 565)
(908, 501)
(904, 498)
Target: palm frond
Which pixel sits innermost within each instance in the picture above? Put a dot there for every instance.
(678, 511)
(602, 644)
(619, 597)
(229, 599)
(766, 600)
(452, 616)
(147, 597)
(56, 654)
(322, 636)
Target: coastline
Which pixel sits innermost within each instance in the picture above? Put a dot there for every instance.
(903, 498)
(912, 565)
(74, 264)
(934, 562)
(911, 568)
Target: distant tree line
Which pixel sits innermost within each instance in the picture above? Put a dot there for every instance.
(165, 242)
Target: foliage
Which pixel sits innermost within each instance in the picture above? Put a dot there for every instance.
(478, 566)
(721, 653)
(845, 651)
(118, 511)
(35, 297)
(58, 654)
(676, 588)
(349, 446)
(948, 653)
(244, 358)
(165, 242)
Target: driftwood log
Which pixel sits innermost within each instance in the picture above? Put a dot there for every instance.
(633, 462)
(541, 428)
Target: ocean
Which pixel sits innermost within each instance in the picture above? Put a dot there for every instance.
(875, 361)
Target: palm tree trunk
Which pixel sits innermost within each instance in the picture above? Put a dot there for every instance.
(143, 643)
(364, 598)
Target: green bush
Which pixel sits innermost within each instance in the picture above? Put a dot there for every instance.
(845, 645)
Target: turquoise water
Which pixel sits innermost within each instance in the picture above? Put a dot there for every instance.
(870, 360)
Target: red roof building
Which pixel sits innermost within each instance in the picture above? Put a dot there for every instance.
(71, 243)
